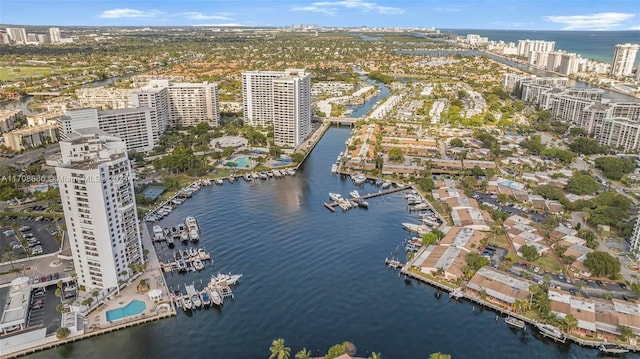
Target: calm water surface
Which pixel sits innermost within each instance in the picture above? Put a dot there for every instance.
(313, 277)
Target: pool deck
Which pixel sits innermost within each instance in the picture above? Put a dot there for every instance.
(97, 320)
(153, 276)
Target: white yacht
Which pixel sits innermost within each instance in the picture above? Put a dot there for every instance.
(291, 172)
(417, 228)
(230, 279)
(194, 235)
(186, 302)
(197, 302)
(354, 194)
(359, 179)
(191, 223)
(334, 168)
(158, 233)
(386, 184)
(552, 332)
(335, 196)
(216, 298)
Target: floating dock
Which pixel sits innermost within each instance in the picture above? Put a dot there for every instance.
(332, 206)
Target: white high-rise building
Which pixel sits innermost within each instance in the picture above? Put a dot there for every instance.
(281, 99)
(96, 188)
(132, 125)
(624, 58)
(157, 98)
(54, 35)
(17, 35)
(179, 104)
(635, 238)
(526, 46)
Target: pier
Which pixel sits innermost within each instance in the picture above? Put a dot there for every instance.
(393, 263)
(332, 205)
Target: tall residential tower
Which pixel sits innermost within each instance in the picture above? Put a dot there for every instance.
(96, 188)
(624, 58)
(280, 99)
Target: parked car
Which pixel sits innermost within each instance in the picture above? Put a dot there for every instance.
(599, 282)
(36, 279)
(56, 275)
(536, 269)
(37, 306)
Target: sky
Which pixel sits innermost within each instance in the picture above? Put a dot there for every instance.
(443, 14)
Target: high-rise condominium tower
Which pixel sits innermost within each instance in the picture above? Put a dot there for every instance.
(96, 188)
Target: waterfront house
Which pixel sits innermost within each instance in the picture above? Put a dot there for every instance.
(562, 303)
(465, 238)
(450, 260)
(471, 217)
(498, 287)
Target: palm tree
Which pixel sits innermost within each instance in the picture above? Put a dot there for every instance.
(303, 354)
(570, 322)
(375, 355)
(278, 350)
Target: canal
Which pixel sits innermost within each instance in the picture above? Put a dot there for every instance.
(314, 278)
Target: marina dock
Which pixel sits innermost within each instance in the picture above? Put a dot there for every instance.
(332, 205)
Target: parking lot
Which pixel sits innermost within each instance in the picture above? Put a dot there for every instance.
(495, 254)
(509, 208)
(42, 309)
(587, 288)
(39, 235)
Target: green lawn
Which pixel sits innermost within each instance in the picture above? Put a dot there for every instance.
(11, 73)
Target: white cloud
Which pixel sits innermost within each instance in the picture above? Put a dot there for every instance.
(601, 21)
(195, 15)
(448, 9)
(128, 13)
(322, 10)
(635, 27)
(332, 7)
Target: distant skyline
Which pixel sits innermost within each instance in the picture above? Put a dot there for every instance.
(452, 14)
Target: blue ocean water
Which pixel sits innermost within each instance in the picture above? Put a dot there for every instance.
(597, 45)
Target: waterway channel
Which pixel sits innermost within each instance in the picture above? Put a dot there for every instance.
(314, 278)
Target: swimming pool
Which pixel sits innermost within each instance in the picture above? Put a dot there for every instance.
(244, 162)
(133, 308)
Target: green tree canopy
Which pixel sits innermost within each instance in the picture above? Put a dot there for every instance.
(602, 264)
(529, 252)
(614, 168)
(396, 154)
(561, 155)
(586, 146)
(582, 183)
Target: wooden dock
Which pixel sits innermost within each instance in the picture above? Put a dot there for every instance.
(393, 263)
(332, 206)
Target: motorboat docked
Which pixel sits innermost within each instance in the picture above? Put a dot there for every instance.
(334, 168)
(229, 279)
(197, 302)
(262, 175)
(362, 204)
(359, 179)
(277, 173)
(170, 241)
(417, 228)
(206, 299)
(514, 322)
(194, 236)
(335, 196)
(247, 177)
(218, 181)
(191, 223)
(386, 184)
(158, 233)
(216, 298)
(291, 172)
(197, 264)
(186, 302)
(379, 182)
(184, 237)
(612, 349)
(552, 332)
(354, 194)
